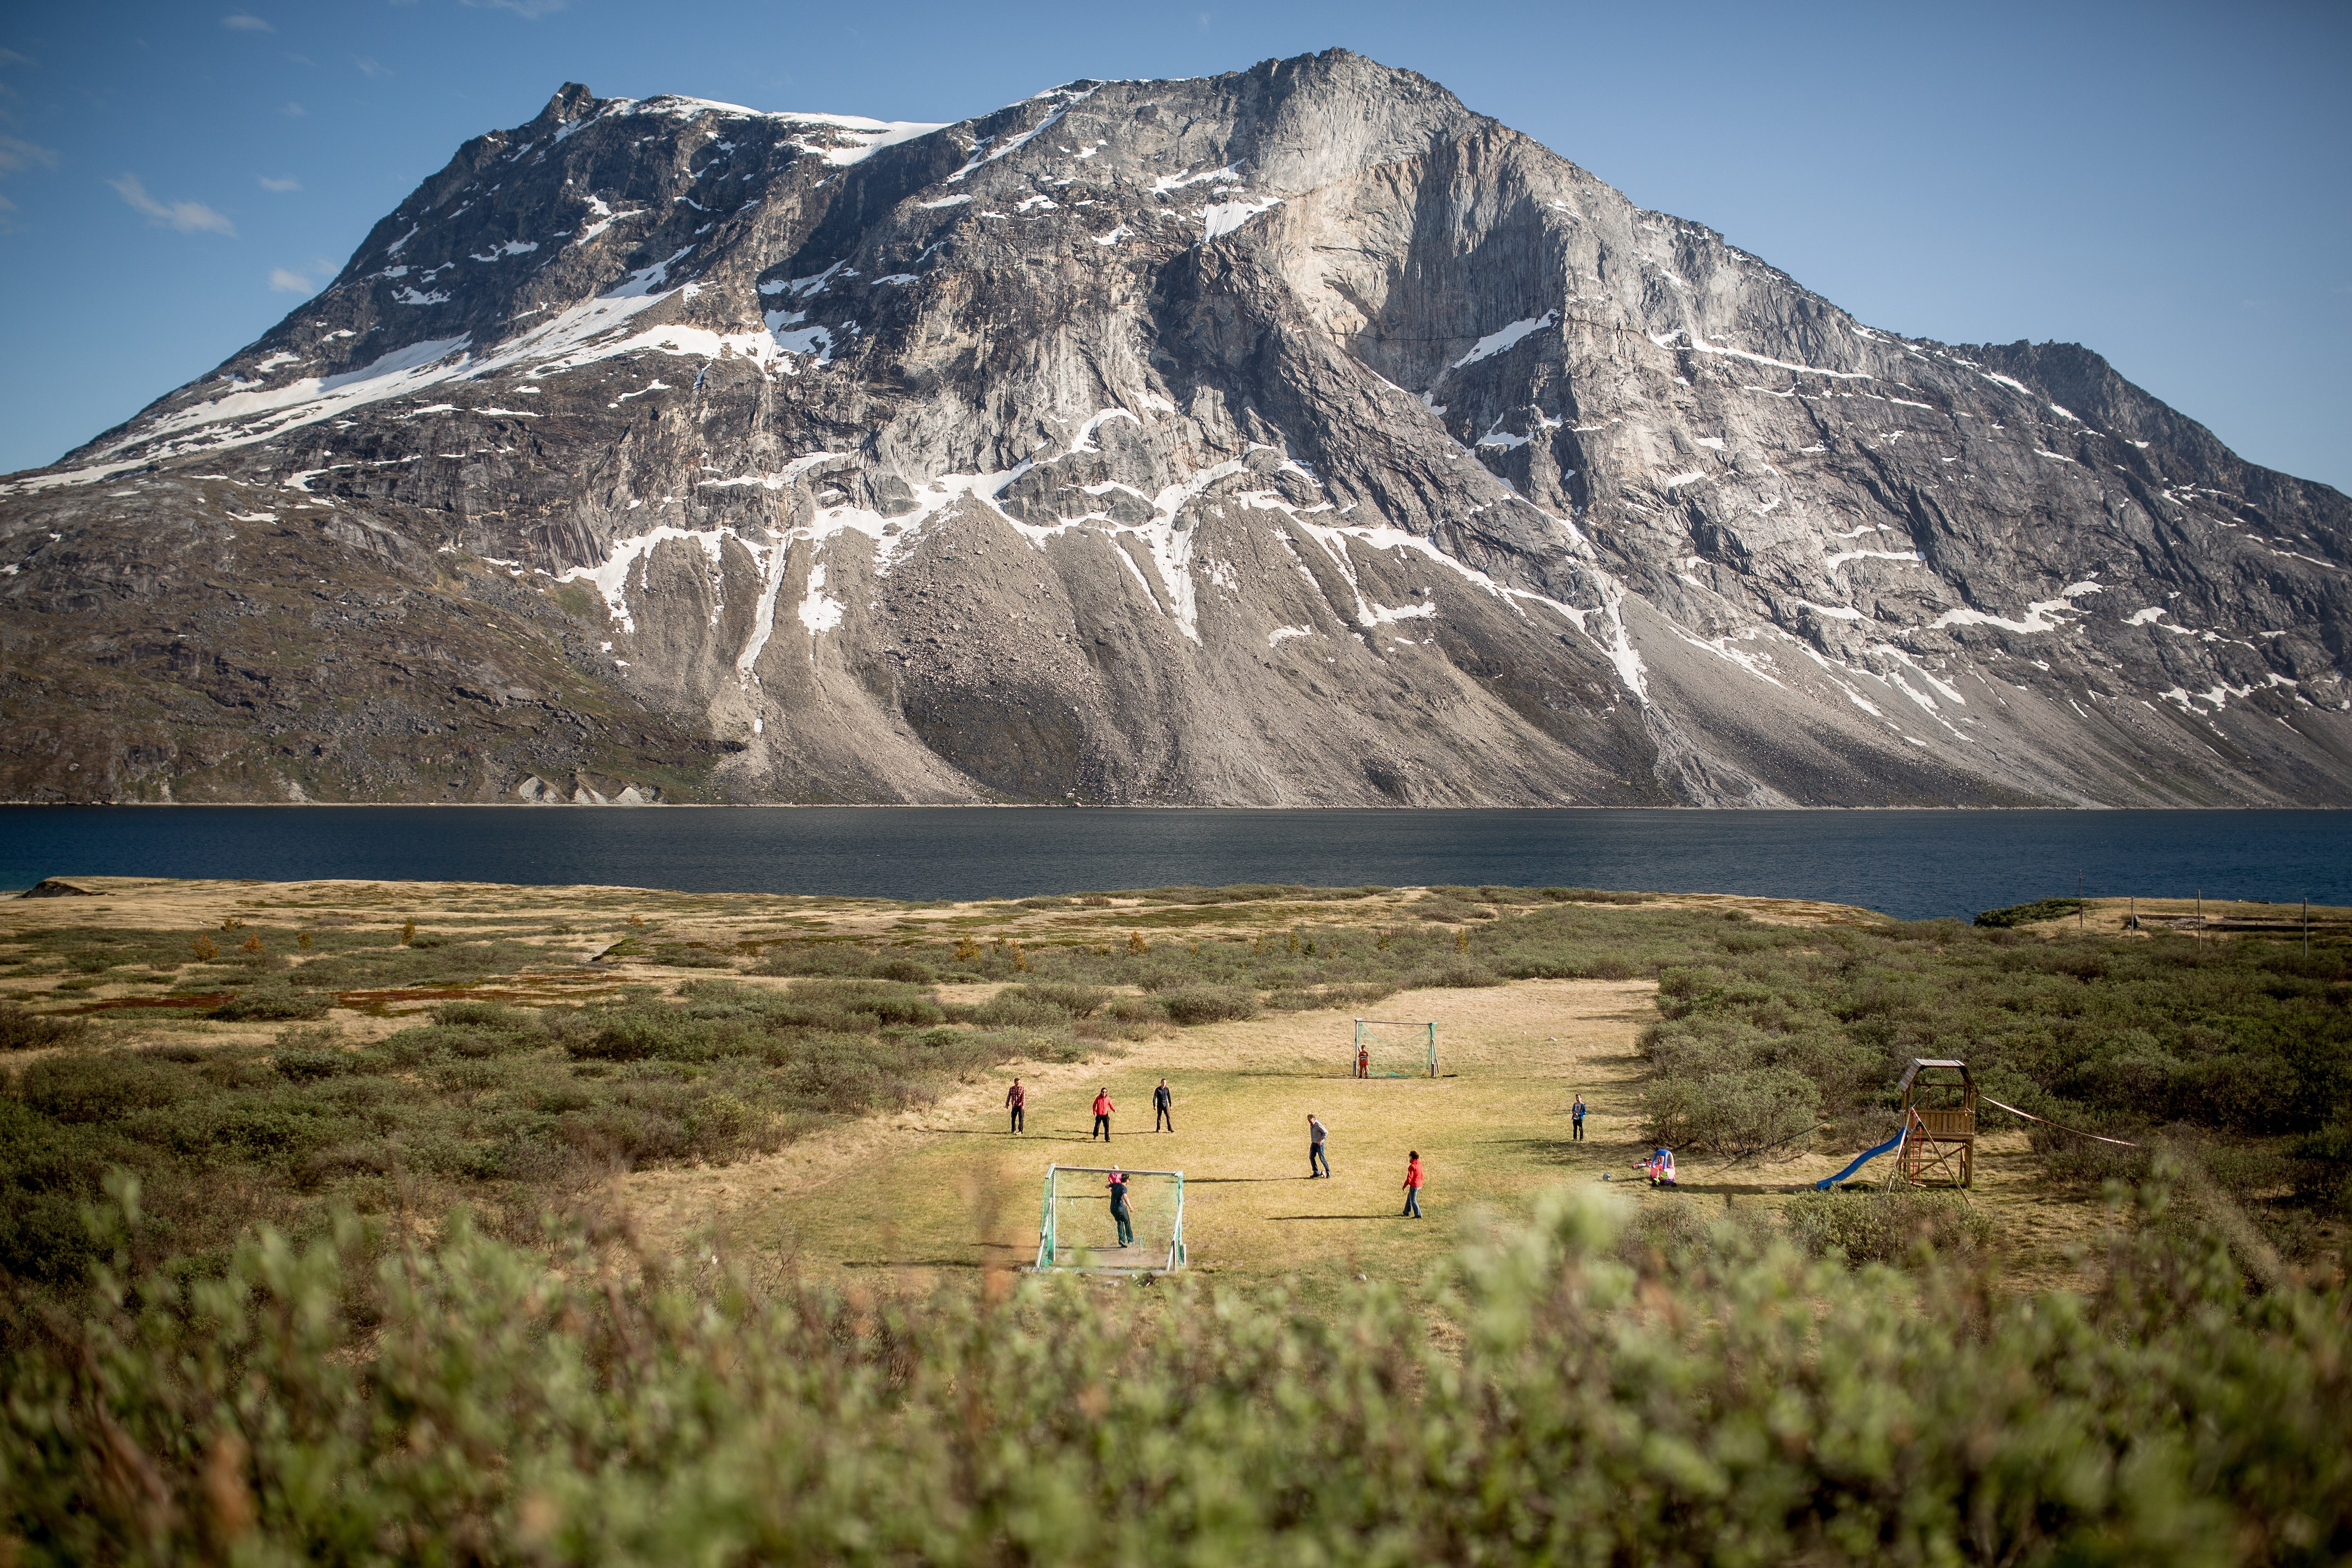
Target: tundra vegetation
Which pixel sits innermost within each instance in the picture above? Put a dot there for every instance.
(304, 1254)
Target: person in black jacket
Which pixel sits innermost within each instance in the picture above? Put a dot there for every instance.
(1163, 1108)
(1119, 1215)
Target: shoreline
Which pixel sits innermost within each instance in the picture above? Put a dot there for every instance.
(1725, 811)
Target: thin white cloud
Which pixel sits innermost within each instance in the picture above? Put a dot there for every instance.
(529, 10)
(282, 282)
(16, 154)
(11, 58)
(244, 22)
(188, 218)
(293, 110)
(368, 67)
(280, 186)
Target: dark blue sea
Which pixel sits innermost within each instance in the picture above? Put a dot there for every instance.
(1913, 864)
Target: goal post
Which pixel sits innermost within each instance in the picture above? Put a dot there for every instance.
(1384, 1049)
(1078, 1232)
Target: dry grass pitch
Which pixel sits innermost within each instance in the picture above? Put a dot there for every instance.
(945, 1189)
(949, 1189)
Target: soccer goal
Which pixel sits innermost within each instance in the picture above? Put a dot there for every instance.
(1386, 1050)
(1079, 1232)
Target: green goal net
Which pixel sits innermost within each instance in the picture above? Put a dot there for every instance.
(1080, 1232)
(1388, 1049)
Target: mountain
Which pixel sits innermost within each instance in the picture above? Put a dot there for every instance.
(1294, 436)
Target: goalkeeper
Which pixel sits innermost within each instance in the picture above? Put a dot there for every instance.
(1119, 1215)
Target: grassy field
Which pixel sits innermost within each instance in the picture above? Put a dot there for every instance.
(357, 1223)
(949, 1188)
(946, 1188)
(391, 1048)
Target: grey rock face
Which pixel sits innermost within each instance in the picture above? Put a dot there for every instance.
(1295, 437)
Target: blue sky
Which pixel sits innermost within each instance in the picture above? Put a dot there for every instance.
(2170, 184)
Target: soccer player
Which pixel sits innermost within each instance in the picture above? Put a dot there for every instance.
(1163, 1108)
(1363, 1061)
(1103, 1108)
(1413, 1186)
(1317, 1165)
(1576, 1118)
(1016, 1100)
(1119, 1215)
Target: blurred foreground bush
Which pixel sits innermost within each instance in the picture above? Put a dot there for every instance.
(473, 1402)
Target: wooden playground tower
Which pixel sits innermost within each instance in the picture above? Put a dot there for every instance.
(1939, 1140)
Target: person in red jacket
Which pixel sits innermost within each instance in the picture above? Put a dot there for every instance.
(1016, 1100)
(1103, 1108)
(1413, 1186)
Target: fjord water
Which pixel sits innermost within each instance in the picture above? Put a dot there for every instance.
(1915, 864)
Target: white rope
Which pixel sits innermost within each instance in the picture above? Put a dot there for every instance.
(2119, 1142)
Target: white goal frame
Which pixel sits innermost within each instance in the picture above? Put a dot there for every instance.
(1376, 1043)
(1064, 1254)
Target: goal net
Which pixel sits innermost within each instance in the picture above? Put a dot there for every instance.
(1385, 1049)
(1079, 1231)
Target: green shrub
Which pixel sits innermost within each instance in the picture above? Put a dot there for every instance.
(691, 956)
(1453, 973)
(1015, 1008)
(643, 1034)
(1040, 1005)
(276, 1000)
(1886, 1226)
(307, 1065)
(1659, 1394)
(1340, 995)
(47, 1174)
(22, 1029)
(1208, 1004)
(98, 1085)
(881, 1000)
(467, 1015)
(2028, 914)
(2323, 1165)
(1592, 896)
(1235, 893)
(1736, 1112)
(814, 958)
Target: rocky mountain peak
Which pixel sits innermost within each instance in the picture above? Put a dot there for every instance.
(1295, 436)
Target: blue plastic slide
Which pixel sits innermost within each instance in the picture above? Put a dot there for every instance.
(1859, 1161)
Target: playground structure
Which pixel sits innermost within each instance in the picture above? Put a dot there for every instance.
(1073, 1236)
(1935, 1143)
